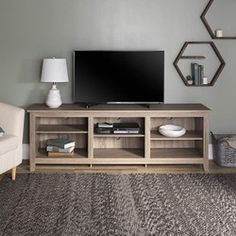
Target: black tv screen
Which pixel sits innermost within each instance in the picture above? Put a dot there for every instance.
(118, 77)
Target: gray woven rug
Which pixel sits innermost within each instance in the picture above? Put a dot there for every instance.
(105, 204)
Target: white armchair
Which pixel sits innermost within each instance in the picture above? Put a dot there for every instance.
(12, 122)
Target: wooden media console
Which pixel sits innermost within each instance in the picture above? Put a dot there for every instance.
(147, 148)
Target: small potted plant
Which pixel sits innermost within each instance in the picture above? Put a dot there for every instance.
(189, 80)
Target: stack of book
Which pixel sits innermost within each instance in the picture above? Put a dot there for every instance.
(60, 147)
(197, 72)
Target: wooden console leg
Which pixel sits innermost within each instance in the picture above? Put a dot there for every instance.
(206, 167)
(32, 166)
(13, 173)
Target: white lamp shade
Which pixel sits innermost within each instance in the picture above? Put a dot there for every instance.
(54, 70)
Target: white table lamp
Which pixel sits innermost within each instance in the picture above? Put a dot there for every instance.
(54, 71)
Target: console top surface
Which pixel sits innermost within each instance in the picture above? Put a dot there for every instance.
(156, 107)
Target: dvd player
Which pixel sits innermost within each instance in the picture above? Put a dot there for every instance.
(117, 128)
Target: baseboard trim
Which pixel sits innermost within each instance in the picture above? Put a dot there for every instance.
(210, 154)
(25, 149)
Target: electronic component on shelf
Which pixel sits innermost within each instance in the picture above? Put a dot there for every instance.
(105, 125)
(118, 128)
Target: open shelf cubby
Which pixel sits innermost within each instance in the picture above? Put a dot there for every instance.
(208, 26)
(148, 147)
(187, 146)
(194, 58)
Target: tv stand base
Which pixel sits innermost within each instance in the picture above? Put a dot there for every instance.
(145, 148)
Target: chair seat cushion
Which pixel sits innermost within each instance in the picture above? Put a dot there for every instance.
(8, 143)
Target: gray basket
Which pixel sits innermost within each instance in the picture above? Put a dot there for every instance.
(224, 149)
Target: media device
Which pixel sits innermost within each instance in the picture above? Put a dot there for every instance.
(118, 128)
(129, 77)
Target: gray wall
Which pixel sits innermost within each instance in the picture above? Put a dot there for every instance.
(31, 30)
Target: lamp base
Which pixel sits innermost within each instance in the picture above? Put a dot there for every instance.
(54, 97)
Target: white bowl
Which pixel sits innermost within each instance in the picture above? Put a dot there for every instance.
(172, 131)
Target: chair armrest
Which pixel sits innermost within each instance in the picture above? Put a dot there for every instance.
(12, 120)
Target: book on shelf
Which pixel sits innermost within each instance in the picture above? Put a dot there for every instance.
(2, 132)
(57, 149)
(61, 143)
(60, 154)
(201, 73)
(197, 72)
(194, 72)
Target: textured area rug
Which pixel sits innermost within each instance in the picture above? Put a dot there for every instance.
(105, 204)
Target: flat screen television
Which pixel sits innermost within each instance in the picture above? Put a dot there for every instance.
(118, 77)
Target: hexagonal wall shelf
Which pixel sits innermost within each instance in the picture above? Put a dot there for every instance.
(207, 25)
(181, 56)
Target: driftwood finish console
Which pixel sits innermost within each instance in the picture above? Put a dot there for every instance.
(76, 122)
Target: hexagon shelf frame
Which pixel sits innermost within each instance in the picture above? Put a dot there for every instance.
(180, 56)
(208, 27)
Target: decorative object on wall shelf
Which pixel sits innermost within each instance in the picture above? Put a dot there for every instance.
(219, 33)
(215, 34)
(172, 131)
(189, 79)
(198, 78)
(204, 80)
